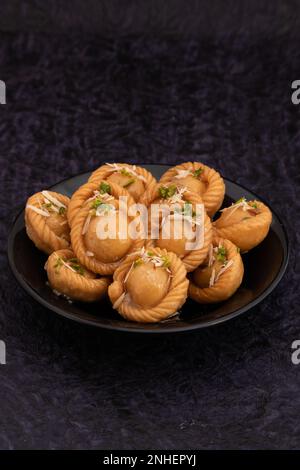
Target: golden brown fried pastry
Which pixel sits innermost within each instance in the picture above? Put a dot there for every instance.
(246, 224)
(88, 192)
(46, 221)
(181, 207)
(98, 250)
(149, 286)
(134, 178)
(200, 179)
(68, 277)
(220, 276)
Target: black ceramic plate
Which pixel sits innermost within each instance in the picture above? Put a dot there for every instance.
(264, 267)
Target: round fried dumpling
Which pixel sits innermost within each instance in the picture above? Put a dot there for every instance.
(172, 243)
(100, 232)
(96, 192)
(68, 277)
(46, 221)
(200, 179)
(220, 276)
(179, 224)
(193, 182)
(134, 178)
(245, 223)
(203, 275)
(133, 184)
(147, 284)
(110, 249)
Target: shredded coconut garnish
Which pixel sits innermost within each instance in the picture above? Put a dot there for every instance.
(104, 196)
(215, 277)
(236, 205)
(53, 199)
(212, 277)
(128, 273)
(178, 196)
(224, 268)
(197, 220)
(119, 301)
(86, 224)
(65, 264)
(147, 257)
(183, 173)
(42, 212)
(131, 170)
(211, 257)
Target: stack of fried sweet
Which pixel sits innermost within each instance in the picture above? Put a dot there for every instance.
(147, 278)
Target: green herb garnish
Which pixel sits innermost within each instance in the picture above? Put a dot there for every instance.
(96, 203)
(198, 172)
(74, 264)
(167, 192)
(104, 188)
(221, 254)
(150, 253)
(137, 262)
(242, 199)
(125, 172)
(128, 183)
(58, 265)
(62, 210)
(253, 204)
(166, 262)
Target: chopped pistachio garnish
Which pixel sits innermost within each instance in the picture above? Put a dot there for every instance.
(132, 180)
(73, 262)
(125, 172)
(137, 262)
(221, 254)
(166, 262)
(242, 199)
(96, 203)
(167, 192)
(198, 172)
(58, 264)
(104, 188)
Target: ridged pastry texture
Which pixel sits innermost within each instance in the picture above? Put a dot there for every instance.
(104, 171)
(248, 233)
(86, 192)
(76, 286)
(214, 194)
(172, 301)
(195, 257)
(38, 227)
(227, 284)
(78, 243)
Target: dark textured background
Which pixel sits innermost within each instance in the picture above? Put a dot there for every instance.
(76, 99)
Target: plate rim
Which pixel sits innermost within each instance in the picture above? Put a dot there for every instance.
(161, 330)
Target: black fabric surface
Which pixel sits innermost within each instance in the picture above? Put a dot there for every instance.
(75, 102)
